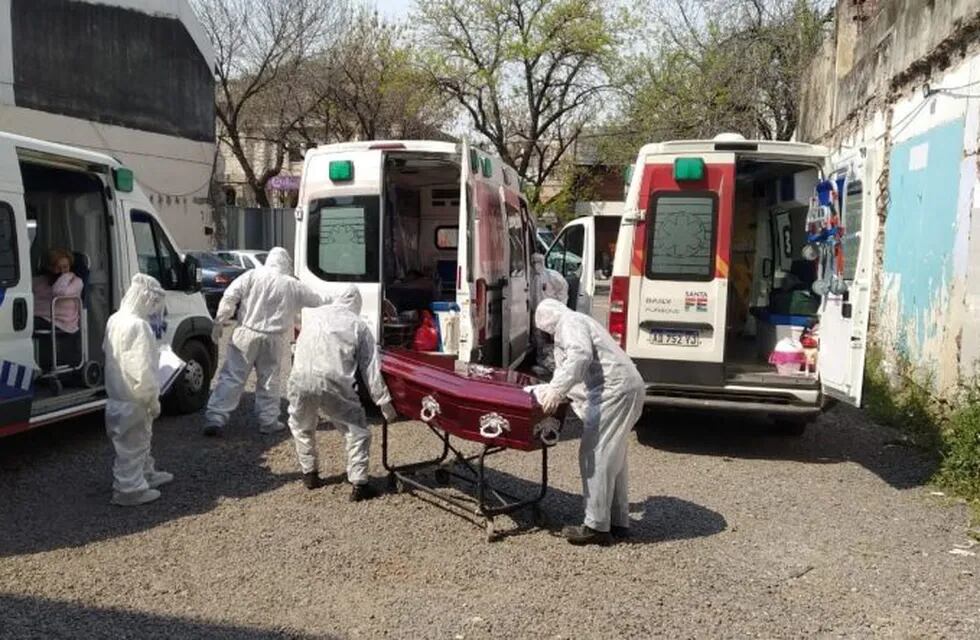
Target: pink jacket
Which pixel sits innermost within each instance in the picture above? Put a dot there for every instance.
(66, 311)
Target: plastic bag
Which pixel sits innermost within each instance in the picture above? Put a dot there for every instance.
(426, 336)
(788, 356)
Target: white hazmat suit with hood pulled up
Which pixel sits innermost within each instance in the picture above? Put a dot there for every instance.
(267, 300)
(334, 345)
(546, 284)
(606, 393)
(132, 358)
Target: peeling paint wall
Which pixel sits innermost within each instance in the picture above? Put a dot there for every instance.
(915, 110)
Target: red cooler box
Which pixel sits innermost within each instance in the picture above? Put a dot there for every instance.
(469, 401)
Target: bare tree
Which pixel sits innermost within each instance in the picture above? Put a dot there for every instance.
(529, 74)
(261, 46)
(721, 65)
(369, 87)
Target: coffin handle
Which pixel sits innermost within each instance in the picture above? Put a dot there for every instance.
(493, 425)
(548, 431)
(430, 409)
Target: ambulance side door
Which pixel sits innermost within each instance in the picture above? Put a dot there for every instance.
(844, 318)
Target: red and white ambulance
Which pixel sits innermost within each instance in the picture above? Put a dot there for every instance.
(709, 274)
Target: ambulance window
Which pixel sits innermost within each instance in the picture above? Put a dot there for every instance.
(565, 255)
(516, 232)
(681, 232)
(447, 238)
(154, 252)
(9, 267)
(851, 243)
(343, 238)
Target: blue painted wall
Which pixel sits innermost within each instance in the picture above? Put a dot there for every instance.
(920, 229)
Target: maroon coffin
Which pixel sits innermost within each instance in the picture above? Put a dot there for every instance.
(466, 400)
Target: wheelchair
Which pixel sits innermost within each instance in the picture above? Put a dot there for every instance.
(84, 371)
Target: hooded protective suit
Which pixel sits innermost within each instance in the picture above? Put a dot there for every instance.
(267, 300)
(132, 358)
(546, 284)
(333, 346)
(607, 393)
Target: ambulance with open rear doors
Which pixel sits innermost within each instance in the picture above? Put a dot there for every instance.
(709, 274)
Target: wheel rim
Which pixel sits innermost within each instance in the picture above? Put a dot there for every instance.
(194, 376)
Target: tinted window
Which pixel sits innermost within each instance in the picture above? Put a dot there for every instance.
(516, 232)
(9, 267)
(207, 259)
(343, 239)
(851, 243)
(681, 237)
(156, 255)
(565, 255)
(260, 257)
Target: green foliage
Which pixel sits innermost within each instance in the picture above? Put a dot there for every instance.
(528, 74)
(716, 66)
(951, 429)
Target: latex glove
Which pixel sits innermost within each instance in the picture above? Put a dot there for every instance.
(388, 411)
(216, 330)
(155, 409)
(546, 397)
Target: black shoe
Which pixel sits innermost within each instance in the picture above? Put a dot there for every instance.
(363, 492)
(619, 532)
(312, 480)
(582, 534)
(212, 431)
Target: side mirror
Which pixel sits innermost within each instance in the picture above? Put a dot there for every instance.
(190, 275)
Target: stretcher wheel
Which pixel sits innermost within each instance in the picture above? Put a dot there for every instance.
(491, 534)
(92, 374)
(442, 476)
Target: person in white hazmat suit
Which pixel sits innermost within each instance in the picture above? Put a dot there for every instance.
(334, 345)
(606, 393)
(267, 300)
(546, 284)
(132, 357)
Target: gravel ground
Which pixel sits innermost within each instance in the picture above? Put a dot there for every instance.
(737, 533)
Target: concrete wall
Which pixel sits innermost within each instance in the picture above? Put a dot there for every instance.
(896, 96)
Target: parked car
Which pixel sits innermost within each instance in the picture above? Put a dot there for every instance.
(217, 275)
(244, 258)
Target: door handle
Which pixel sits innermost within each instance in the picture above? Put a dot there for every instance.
(20, 314)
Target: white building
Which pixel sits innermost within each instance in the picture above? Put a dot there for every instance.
(130, 78)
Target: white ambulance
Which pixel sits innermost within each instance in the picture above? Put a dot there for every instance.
(57, 197)
(421, 226)
(709, 274)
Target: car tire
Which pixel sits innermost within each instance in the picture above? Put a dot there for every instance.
(190, 393)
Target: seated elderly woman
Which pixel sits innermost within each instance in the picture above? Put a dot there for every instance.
(58, 282)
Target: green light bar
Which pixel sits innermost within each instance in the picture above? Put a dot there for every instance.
(688, 169)
(487, 168)
(341, 170)
(123, 179)
(474, 161)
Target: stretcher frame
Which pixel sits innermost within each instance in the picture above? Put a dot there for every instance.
(489, 501)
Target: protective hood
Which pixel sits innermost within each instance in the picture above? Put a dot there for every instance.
(349, 298)
(144, 297)
(548, 314)
(537, 263)
(279, 261)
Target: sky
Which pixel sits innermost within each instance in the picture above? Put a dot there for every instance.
(393, 8)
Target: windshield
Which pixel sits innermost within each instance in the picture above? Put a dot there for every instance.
(208, 259)
(546, 236)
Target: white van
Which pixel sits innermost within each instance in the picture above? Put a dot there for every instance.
(708, 274)
(55, 196)
(417, 223)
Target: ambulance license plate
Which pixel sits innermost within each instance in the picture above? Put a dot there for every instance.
(675, 338)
